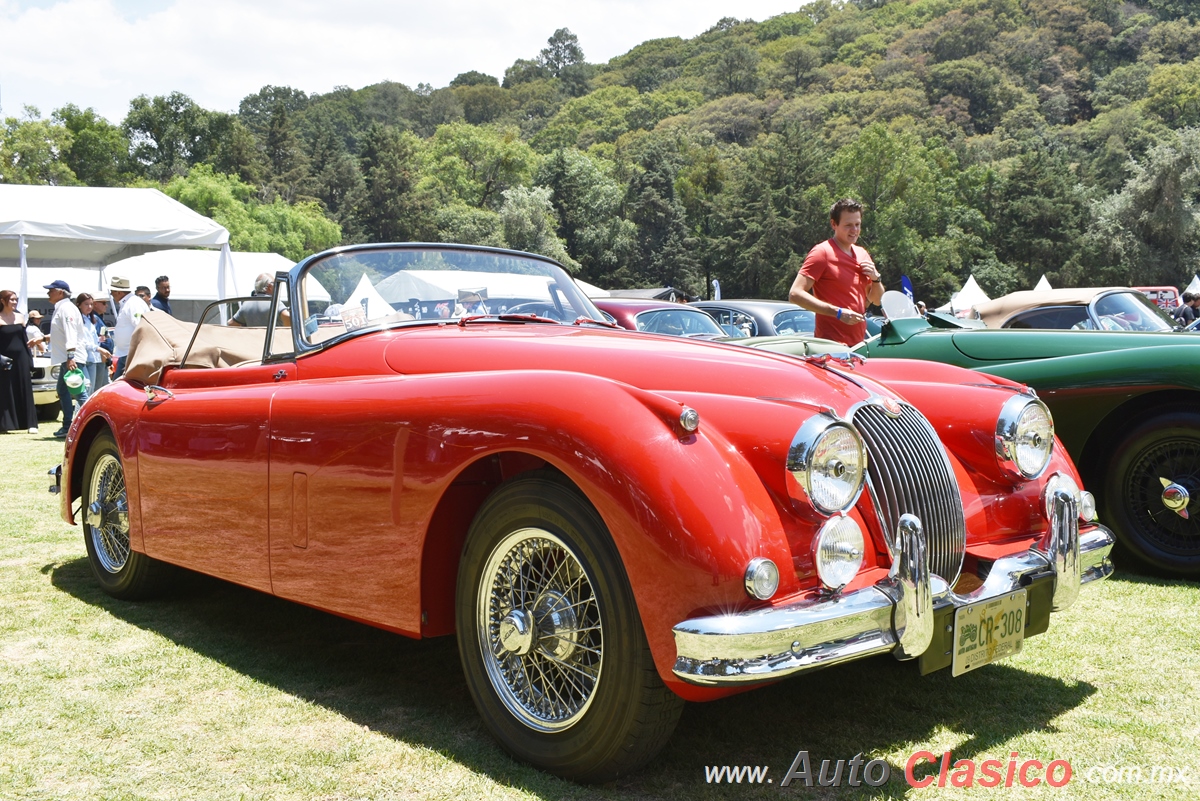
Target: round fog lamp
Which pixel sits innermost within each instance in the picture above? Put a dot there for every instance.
(838, 552)
(762, 578)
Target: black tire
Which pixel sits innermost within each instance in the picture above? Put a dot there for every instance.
(121, 571)
(538, 552)
(48, 412)
(1166, 446)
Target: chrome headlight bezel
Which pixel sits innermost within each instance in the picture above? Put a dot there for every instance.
(1008, 453)
(804, 454)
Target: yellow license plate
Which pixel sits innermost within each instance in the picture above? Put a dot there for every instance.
(987, 631)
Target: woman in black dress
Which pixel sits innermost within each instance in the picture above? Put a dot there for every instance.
(17, 412)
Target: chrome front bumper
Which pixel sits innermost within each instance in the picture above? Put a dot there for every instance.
(895, 615)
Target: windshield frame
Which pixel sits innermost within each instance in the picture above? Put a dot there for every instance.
(296, 283)
(1139, 297)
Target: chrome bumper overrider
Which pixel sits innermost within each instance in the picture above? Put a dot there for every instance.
(895, 615)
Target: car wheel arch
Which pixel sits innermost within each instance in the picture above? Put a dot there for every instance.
(446, 534)
(83, 443)
(1105, 437)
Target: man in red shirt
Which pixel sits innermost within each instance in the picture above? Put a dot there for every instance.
(838, 279)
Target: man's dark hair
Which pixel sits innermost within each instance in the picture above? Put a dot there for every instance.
(1188, 297)
(142, 288)
(845, 204)
(160, 280)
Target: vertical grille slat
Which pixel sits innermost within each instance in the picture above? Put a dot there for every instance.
(908, 473)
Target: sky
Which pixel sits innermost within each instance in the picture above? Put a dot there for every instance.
(103, 53)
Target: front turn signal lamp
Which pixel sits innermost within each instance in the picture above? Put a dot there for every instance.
(762, 578)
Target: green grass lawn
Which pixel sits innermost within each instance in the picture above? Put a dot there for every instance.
(220, 692)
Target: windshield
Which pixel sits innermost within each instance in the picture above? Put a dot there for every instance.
(1130, 311)
(379, 287)
(681, 322)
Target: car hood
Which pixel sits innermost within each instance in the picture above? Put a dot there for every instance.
(646, 361)
(1006, 345)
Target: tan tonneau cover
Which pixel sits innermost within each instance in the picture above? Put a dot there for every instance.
(160, 340)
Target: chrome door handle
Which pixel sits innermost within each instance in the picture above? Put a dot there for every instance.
(152, 393)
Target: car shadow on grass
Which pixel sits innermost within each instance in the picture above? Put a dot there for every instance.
(413, 691)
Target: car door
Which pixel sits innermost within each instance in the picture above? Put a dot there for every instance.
(341, 538)
(203, 456)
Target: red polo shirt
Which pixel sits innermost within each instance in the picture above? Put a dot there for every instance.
(838, 279)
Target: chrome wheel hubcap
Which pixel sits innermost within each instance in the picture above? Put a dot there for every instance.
(539, 630)
(1175, 497)
(107, 516)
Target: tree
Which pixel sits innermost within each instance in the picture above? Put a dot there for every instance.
(664, 255)
(529, 223)
(170, 133)
(474, 78)
(32, 151)
(587, 202)
(475, 165)
(292, 231)
(562, 50)
(287, 164)
(255, 111)
(1149, 232)
(391, 209)
(99, 152)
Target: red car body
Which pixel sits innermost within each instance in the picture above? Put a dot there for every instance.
(347, 478)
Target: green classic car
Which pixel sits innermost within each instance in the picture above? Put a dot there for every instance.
(1126, 406)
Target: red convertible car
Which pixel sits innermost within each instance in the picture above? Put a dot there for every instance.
(440, 440)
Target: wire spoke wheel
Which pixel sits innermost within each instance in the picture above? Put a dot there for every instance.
(540, 630)
(107, 515)
(121, 571)
(1178, 462)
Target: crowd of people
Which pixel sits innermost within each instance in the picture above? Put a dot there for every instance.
(85, 342)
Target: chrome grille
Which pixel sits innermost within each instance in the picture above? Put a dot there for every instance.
(908, 473)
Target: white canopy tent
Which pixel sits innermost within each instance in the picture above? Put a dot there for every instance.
(1194, 286)
(1042, 285)
(965, 298)
(193, 275)
(81, 228)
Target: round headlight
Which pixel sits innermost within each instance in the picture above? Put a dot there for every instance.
(838, 552)
(1024, 437)
(829, 460)
(762, 578)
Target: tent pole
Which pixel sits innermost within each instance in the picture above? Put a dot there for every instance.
(23, 293)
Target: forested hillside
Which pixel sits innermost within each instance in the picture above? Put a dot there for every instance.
(999, 137)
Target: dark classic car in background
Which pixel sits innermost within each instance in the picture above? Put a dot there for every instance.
(611, 522)
(660, 317)
(767, 318)
(1086, 309)
(1126, 405)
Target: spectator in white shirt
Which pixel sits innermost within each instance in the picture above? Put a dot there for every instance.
(67, 343)
(130, 309)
